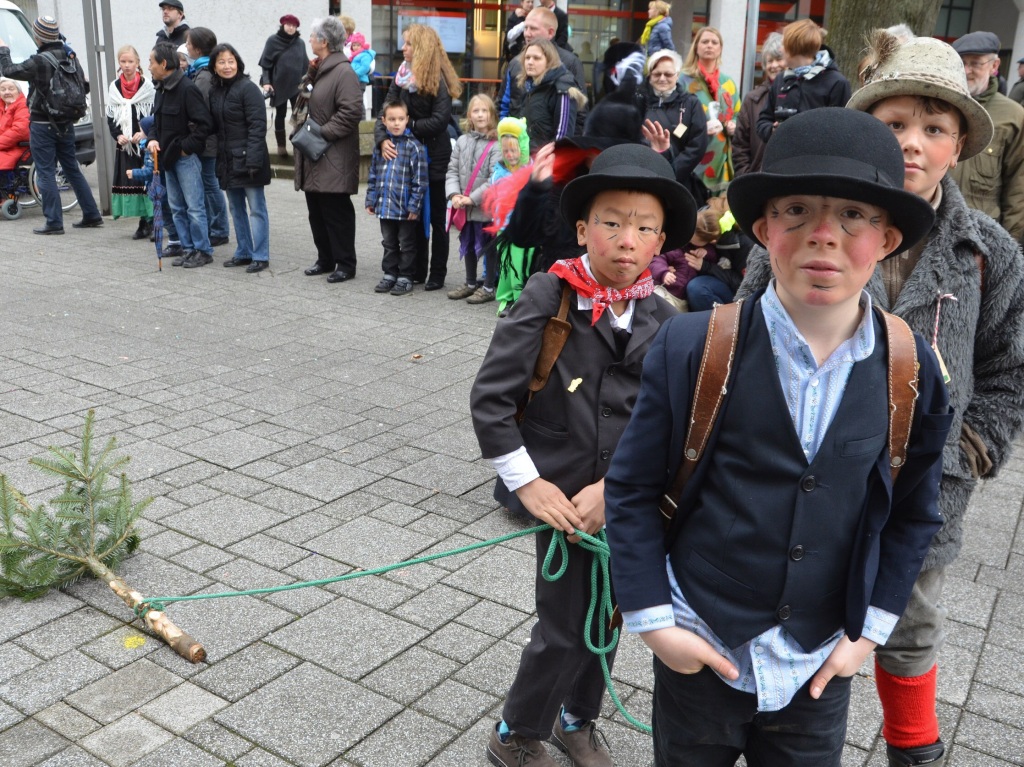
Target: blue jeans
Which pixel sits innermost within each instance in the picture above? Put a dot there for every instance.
(216, 210)
(703, 292)
(252, 228)
(185, 194)
(48, 146)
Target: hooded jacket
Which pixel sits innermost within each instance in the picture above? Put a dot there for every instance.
(993, 181)
(240, 122)
(549, 109)
(823, 86)
(468, 150)
(678, 108)
(981, 341)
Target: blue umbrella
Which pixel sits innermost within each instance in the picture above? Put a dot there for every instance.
(156, 194)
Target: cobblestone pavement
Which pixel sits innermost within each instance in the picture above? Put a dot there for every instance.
(288, 430)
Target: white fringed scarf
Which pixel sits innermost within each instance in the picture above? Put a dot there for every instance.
(119, 109)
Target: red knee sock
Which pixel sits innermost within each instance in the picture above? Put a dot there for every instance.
(908, 707)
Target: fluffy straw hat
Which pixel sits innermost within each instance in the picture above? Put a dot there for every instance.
(922, 66)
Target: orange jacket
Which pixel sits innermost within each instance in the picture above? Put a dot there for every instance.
(13, 130)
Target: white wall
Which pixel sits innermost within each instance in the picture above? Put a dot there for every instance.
(730, 18)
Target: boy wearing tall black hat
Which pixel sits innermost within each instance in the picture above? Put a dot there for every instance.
(552, 462)
(793, 551)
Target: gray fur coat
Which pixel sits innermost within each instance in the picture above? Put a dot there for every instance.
(981, 340)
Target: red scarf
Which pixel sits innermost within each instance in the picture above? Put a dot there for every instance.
(130, 88)
(575, 273)
(711, 78)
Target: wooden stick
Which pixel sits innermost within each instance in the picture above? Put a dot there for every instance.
(158, 622)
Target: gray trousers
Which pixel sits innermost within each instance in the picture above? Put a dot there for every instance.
(913, 647)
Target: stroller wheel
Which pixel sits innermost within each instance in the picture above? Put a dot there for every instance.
(11, 210)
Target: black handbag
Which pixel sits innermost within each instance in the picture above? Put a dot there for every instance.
(307, 139)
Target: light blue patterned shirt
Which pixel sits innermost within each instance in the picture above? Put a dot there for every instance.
(772, 665)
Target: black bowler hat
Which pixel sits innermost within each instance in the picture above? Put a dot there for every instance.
(833, 152)
(634, 167)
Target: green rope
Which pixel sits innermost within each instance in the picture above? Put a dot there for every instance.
(600, 591)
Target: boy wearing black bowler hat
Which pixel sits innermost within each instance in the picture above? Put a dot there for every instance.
(793, 550)
(552, 462)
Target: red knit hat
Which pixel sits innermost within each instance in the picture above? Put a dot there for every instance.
(290, 19)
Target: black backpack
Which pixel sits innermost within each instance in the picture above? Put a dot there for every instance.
(63, 100)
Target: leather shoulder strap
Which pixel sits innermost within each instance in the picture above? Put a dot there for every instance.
(715, 368)
(903, 367)
(556, 333)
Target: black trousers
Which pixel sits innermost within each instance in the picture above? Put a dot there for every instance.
(556, 668)
(399, 241)
(332, 219)
(700, 721)
(436, 257)
(281, 110)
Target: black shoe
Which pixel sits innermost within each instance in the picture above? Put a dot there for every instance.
(88, 223)
(314, 270)
(386, 283)
(196, 259)
(235, 261)
(402, 288)
(215, 241)
(257, 266)
(340, 276)
(933, 755)
(145, 230)
(174, 250)
(433, 285)
(49, 230)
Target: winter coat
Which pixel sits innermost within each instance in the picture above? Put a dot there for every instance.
(284, 62)
(822, 88)
(684, 272)
(549, 109)
(13, 130)
(428, 120)
(980, 338)
(176, 38)
(993, 181)
(336, 105)
(679, 108)
(747, 146)
(1017, 92)
(661, 37)
(511, 102)
(37, 71)
(362, 63)
(240, 122)
(182, 118)
(204, 80)
(514, 47)
(468, 151)
(398, 187)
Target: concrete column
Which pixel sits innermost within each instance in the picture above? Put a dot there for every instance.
(1018, 41)
(730, 17)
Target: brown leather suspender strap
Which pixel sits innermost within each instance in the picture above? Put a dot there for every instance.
(715, 367)
(903, 367)
(556, 333)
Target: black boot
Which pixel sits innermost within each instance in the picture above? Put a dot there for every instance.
(282, 147)
(145, 229)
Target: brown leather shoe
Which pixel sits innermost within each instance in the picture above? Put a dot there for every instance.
(586, 747)
(518, 752)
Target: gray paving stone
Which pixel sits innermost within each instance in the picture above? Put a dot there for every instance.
(18, 617)
(458, 642)
(992, 738)
(493, 671)
(304, 526)
(14, 661)
(9, 716)
(50, 682)
(455, 704)
(224, 520)
(332, 637)
(260, 758)
(325, 479)
(182, 707)
(308, 716)
(236, 483)
(67, 721)
(72, 756)
(67, 632)
(487, 577)
(232, 449)
(28, 744)
(435, 607)
(287, 502)
(245, 671)
(177, 753)
(202, 558)
(109, 743)
(410, 674)
(447, 474)
(995, 704)
(123, 691)
(410, 738)
(218, 740)
(369, 543)
(149, 459)
(269, 551)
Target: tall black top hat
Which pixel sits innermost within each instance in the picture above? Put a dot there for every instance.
(634, 167)
(833, 152)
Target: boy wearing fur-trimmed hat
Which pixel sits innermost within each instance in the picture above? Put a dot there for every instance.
(963, 289)
(794, 550)
(551, 463)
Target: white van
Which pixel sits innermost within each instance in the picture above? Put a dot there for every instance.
(16, 31)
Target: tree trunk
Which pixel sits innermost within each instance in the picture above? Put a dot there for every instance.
(158, 622)
(850, 21)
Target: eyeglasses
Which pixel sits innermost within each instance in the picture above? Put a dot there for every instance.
(663, 75)
(978, 65)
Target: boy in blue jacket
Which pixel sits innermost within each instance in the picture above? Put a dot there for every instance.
(793, 550)
(395, 194)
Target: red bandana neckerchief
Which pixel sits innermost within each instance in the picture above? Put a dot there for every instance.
(575, 273)
(711, 78)
(130, 87)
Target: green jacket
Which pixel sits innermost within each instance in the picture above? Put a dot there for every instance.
(993, 181)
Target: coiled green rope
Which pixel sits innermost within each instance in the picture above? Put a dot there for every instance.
(599, 609)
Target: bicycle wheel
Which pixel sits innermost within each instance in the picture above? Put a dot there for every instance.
(68, 200)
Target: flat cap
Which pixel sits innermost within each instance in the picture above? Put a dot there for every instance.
(977, 42)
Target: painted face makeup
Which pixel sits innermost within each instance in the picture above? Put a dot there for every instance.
(623, 232)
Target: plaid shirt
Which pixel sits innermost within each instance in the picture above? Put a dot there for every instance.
(398, 187)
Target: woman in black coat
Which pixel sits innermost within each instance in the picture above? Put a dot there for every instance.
(243, 163)
(284, 62)
(550, 96)
(426, 83)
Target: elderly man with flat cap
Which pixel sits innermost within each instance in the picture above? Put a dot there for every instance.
(993, 180)
(175, 28)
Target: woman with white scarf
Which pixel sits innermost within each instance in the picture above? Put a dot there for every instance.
(129, 99)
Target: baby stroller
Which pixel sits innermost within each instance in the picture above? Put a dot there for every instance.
(19, 188)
